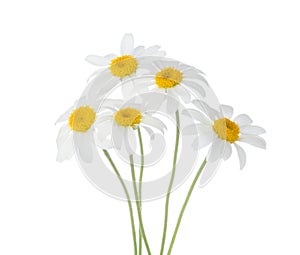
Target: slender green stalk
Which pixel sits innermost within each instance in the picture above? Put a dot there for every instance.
(171, 184)
(140, 184)
(138, 205)
(185, 204)
(128, 199)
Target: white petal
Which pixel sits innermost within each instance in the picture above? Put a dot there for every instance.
(195, 74)
(152, 51)
(226, 110)
(103, 135)
(127, 44)
(196, 115)
(172, 102)
(65, 144)
(130, 140)
(216, 151)
(182, 93)
(154, 122)
(227, 151)
(252, 130)
(253, 140)
(210, 112)
(63, 134)
(84, 143)
(241, 154)
(103, 118)
(97, 60)
(138, 51)
(128, 89)
(118, 135)
(195, 87)
(209, 172)
(204, 138)
(110, 57)
(65, 116)
(242, 120)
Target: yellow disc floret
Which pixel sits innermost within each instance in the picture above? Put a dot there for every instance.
(123, 66)
(168, 78)
(128, 117)
(226, 130)
(82, 118)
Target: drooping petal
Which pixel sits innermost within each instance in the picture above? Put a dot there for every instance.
(242, 120)
(97, 60)
(256, 141)
(65, 145)
(226, 110)
(241, 154)
(204, 138)
(127, 44)
(118, 135)
(195, 87)
(227, 151)
(130, 140)
(63, 134)
(172, 102)
(103, 135)
(209, 172)
(128, 89)
(199, 116)
(182, 93)
(84, 144)
(154, 122)
(252, 130)
(216, 151)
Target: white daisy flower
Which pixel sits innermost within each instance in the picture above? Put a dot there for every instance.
(177, 80)
(129, 62)
(79, 120)
(221, 132)
(117, 123)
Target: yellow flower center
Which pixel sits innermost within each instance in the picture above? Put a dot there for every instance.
(82, 118)
(123, 66)
(168, 78)
(226, 130)
(128, 117)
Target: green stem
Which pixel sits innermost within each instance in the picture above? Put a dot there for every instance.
(128, 199)
(185, 204)
(138, 205)
(171, 184)
(140, 184)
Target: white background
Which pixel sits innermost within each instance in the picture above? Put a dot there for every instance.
(250, 51)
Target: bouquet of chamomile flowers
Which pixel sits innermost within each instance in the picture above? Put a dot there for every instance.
(138, 108)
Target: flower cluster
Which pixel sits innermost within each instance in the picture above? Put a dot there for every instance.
(147, 80)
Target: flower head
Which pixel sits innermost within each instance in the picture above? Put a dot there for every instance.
(129, 61)
(79, 120)
(217, 128)
(118, 120)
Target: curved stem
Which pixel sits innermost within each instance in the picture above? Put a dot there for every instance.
(138, 205)
(171, 184)
(185, 204)
(128, 199)
(140, 184)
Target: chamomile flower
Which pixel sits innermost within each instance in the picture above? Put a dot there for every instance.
(78, 121)
(177, 80)
(118, 121)
(222, 133)
(129, 62)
